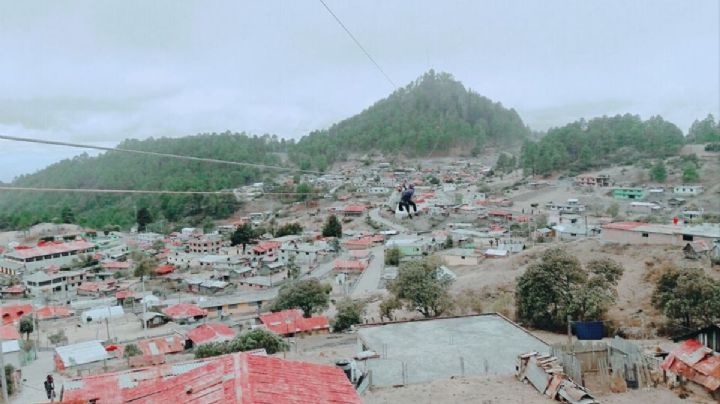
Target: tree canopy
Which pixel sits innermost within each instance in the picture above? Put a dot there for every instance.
(349, 313)
(118, 170)
(309, 295)
(258, 338)
(687, 296)
(332, 227)
(422, 287)
(704, 131)
(430, 115)
(557, 286)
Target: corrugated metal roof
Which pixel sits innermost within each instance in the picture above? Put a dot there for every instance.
(235, 378)
(81, 353)
(292, 321)
(696, 362)
(211, 332)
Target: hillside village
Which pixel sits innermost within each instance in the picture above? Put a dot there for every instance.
(102, 304)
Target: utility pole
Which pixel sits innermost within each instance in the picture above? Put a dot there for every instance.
(2, 373)
(143, 308)
(569, 331)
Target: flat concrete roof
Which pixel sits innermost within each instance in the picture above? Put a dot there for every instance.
(487, 344)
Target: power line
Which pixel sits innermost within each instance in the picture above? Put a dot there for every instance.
(392, 83)
(144, 191)
(149, 153)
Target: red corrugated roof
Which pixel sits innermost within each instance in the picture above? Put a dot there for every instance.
(292, 321)
(211, 332)
(238, 378)
(115, 265)
(355, 208)
(14, 289)
(123, 294)
(162, 345)
(9, 332)
(48, 248)
(353, 265)
(164, 269)
(13, 312)
(361, 242)
(623, 225)
(267, 246)
(49, 312)
(696, 362)
(184, 310)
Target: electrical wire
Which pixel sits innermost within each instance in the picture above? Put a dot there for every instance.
(144, 191)
(362, 48)
(149, 153)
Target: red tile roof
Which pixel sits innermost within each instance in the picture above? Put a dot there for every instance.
(49, 312)
(183, 311)
(696, 362)
(118, 265)
(9, 332)
(51, 247)
(238, 378)
(264, 247)
(211, 332)
(12, 312)
(164, 269)
(623, 225)
(353, 265)
(162, 345)
(123, 294)
(14, 289)
(355, 208)
(360, 242)
(292, 321)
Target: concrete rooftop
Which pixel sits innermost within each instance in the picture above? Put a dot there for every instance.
(488, 344)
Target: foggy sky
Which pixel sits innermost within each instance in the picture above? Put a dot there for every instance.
(99, 72)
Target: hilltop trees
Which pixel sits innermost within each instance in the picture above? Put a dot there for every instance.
(422, 287)
(308, 295)
(557, 286)
(432, 114)
(332, 227)
(704, 131)
(599, 142)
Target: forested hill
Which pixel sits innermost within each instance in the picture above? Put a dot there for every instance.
(599, 142)
(120, 170)
(431, 115)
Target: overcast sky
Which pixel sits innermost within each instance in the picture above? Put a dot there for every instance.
(99, 72)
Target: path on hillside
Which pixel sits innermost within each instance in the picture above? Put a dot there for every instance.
(369, 280)
(375, 215)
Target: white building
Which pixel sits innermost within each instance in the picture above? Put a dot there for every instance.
(689, 190)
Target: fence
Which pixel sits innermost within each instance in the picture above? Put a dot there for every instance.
(616, 358)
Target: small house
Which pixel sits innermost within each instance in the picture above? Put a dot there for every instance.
(291, 323)
(697, 249)
(79, 354)
(688, 190)
(210, 333)
(628, 193)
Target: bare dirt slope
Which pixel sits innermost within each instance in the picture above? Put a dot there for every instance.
(501, 389)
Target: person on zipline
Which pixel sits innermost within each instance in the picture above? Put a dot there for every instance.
(406, 200)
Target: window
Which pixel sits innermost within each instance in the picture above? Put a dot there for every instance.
(646, 235)
(687, 237)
